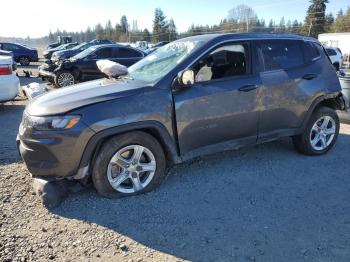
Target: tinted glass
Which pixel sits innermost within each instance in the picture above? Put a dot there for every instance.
(103, 53)
(128, 52)
(281, 54)
(331, 52)
(9, 47)
(310, 51)
(225, 61)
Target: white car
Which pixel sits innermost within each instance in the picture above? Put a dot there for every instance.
(336, 56)
(9, 82)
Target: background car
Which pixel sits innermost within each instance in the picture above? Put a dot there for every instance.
(82, 67)
(48, 53)
(64, 54)
(60, 41)
(336, 57)
(9, 82)
(156, 46)
(22, 54)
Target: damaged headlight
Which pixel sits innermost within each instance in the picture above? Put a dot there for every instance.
(52, 122)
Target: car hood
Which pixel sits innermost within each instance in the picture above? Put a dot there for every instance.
(63, 100)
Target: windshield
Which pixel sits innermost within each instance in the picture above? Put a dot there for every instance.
(85, 53)
(156, 65)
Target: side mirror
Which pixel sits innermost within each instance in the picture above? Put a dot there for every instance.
(186, 77)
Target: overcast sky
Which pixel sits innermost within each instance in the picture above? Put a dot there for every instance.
(35, 18)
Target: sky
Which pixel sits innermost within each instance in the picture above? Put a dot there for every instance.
(35, 18)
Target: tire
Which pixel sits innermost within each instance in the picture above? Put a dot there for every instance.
(101, 171)
(24, 61)
(336, 66)
(305, 142)
(64, 78)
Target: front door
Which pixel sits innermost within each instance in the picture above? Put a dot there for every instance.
(219, 110)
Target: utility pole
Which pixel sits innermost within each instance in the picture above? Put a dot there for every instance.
(310, 27)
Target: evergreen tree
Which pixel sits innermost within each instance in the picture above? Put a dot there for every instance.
(159, 26)
(315, 19)
(172, 34)
(146, 35)
(100, 32)
(109, 31)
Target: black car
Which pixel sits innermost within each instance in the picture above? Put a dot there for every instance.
(82, 67)
(48, 53)
(60, 41)
(64, 54)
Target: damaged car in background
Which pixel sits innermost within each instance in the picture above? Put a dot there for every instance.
(65, 54)
(82, 67)
(48, 53)
(192, 97)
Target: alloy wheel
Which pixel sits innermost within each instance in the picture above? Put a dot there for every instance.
(322, 133)
(65, 79)
(24, 61)
(131, 169)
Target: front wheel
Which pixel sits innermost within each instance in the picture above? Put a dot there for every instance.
(320, 133)
(64, 78)
(129, 164)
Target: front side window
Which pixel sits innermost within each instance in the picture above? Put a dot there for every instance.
(280, 54)
(225, 61)
(104, 53)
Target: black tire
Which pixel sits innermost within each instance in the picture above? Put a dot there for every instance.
(59, 74)
(24, 60)
(336, 66)
(302, 142)
(111, 146)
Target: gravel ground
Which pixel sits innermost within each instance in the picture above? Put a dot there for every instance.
(263, 203)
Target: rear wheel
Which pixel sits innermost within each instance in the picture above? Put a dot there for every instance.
(320, 133)
(24, 61)
(64, 78)
(129, 164)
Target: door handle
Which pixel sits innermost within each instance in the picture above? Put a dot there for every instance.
(247, 88)
(309, 76)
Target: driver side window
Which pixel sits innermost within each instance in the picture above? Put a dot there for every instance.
(226, 61)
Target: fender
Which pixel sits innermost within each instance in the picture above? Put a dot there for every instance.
(336, 101)
(153, 127)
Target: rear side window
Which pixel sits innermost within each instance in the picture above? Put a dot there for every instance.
(331, 52)
(10, 47)
(310, 51)
(103, 53)
(280, 54)
(128, 53)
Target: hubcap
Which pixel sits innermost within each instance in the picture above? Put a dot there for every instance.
(24, 61)
(131, 169)
(65, 79)
(322, 133)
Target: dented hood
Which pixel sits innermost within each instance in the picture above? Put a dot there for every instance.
(69, 98)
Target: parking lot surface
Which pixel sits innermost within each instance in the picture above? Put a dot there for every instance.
(263, 203)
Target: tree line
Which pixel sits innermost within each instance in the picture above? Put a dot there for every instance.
(241, 18)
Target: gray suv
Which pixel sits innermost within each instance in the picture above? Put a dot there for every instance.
(194, 96)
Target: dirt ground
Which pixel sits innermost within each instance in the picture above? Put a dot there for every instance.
(263, 203)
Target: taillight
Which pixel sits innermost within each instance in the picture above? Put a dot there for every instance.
(5, 70)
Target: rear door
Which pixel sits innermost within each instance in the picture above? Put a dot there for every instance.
(289, 84)
(219, 110)
(127, 56)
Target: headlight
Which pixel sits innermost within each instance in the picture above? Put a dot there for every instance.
(52, 122)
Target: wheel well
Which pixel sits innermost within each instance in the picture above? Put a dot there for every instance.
(333, 103)
(151, 131)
